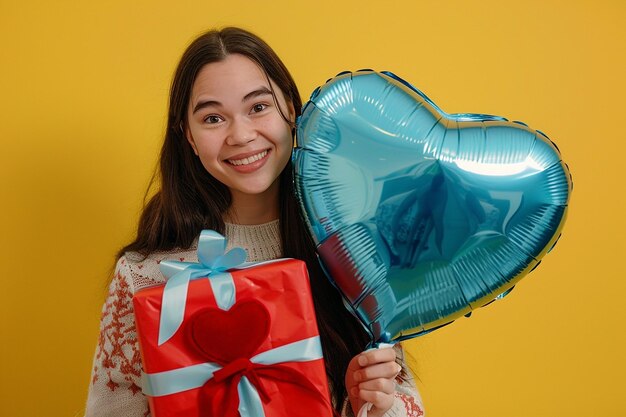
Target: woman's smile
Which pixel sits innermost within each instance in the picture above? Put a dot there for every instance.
(249, 162)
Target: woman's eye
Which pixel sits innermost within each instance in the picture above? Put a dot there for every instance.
(259, 107)
(212, 119)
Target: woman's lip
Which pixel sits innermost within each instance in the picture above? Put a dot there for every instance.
(245, 155)
(246, 169)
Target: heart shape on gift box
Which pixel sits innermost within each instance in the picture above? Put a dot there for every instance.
(421, 216)
(222, 336)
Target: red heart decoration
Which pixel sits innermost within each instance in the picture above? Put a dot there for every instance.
(223, 336)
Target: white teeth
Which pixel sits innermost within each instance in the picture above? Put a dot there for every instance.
(249, 160)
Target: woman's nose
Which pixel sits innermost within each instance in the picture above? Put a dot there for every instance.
(241, 131)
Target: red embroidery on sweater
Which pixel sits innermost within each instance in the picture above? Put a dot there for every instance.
(115, 336)
(412, 408)
(134, 388)
(112, 385)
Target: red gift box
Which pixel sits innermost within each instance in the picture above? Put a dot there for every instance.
(272, 314)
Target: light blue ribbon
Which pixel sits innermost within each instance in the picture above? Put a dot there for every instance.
(212, 261)
(177, 380)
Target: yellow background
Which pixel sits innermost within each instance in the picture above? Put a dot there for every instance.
(83, 90)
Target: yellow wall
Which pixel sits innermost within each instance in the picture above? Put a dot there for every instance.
(84, 86)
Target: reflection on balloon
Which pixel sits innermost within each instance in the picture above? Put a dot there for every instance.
(421, 216)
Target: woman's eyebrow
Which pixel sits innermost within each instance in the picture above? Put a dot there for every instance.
(256, 93)
(207, 103)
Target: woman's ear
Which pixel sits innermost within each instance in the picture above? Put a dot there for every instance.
(189, 138)
(291, 112)
(291, 115)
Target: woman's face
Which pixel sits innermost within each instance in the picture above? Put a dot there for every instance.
(235, 127)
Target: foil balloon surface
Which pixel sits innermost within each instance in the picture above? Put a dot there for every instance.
(421, 216)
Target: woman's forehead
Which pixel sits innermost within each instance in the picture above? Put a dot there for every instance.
(234, 71)
(232, 78)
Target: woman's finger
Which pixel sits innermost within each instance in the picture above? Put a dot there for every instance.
(383, 385)
(379, 399)
(380, 370)
(374, 356)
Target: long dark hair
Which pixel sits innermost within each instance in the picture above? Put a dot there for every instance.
(189, 199)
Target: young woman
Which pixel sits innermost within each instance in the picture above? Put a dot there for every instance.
(225, 165)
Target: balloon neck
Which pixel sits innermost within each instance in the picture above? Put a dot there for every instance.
(384, 339)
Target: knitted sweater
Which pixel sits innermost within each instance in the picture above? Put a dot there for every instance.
(115, 388)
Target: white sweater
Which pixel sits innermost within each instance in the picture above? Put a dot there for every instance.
(115, 387)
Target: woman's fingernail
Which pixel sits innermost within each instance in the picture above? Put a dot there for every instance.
(362, 360)
(357, 376)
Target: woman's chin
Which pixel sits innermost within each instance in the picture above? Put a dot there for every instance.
(254, 188)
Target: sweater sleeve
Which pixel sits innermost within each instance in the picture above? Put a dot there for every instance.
(115, 388)
(407, 400)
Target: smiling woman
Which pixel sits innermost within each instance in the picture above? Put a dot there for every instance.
(225, 165)
(238, 131)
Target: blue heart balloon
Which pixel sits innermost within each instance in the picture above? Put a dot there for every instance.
(421, 216)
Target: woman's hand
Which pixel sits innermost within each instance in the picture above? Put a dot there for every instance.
(371, 378)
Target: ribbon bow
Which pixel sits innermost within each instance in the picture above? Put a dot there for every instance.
(212, 261)
(243, 378)
(246, 399)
